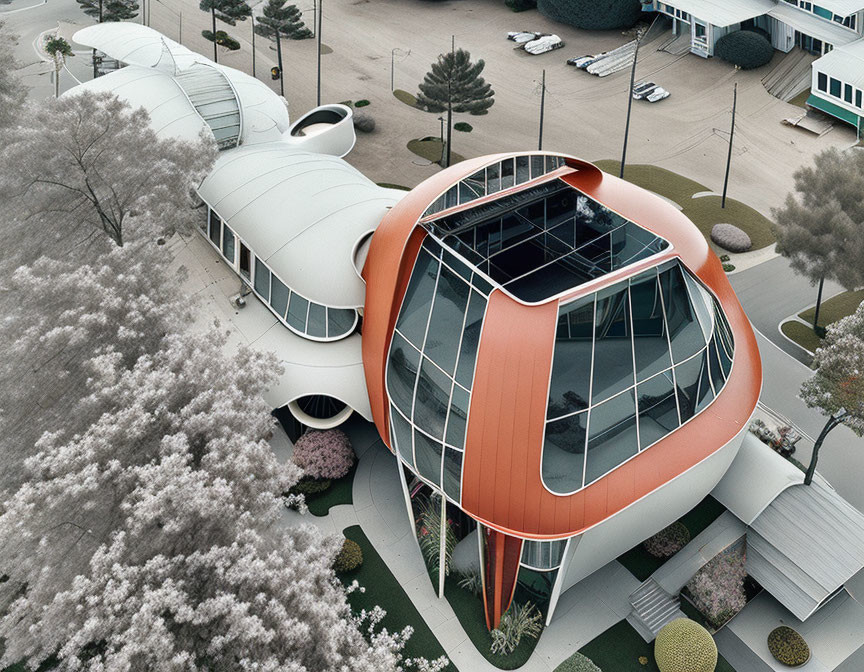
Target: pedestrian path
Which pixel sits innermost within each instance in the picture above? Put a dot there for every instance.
(583, 612)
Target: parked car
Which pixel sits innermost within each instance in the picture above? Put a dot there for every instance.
(521, 37)
(643, 89)
(582, 62)
(659, 93)
(543, 44)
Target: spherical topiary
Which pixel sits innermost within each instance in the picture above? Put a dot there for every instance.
(745, 49)
(668, 541)
(685, 646)
(730, 237)
(350, 557)
(578, 663)
(788, 647)
(364, 122)
(592, 14)
(324, 454)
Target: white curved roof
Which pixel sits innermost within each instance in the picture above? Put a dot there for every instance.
(301, 213)
(168, 80)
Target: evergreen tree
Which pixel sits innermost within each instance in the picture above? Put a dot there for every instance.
(110, 10)
(287, 18)
(229, 11)
(453, 85)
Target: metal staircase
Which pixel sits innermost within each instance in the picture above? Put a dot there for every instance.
(653, 608)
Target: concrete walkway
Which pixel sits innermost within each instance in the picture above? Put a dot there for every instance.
(583, 612)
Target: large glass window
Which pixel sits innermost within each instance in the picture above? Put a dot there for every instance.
(215, 228)
(432, 400)
(262, 279)
(298, 308)
(619, 339)
(279, 294)
(427, 457)
(543, 554)
(228, 244)
(445, 326)
(822, 81)
(836, 87)
(402, 366)
(418, 299)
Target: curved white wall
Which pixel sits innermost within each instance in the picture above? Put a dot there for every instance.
(645, 517)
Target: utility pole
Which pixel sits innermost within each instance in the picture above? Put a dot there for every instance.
(279, 58)
(729, 155)
(542, 108)
(180, 32)
(629, 108)
(450, 103)
(253, 44)
(392, 69)
(213, 17)
(320, 21)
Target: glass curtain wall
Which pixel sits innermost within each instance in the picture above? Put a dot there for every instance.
(632, 362)
(305, 317)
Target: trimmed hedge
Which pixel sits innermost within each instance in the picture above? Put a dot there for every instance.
(788, 647)
(592, 14)
(349, 558)
(685, 646)
(744, 48)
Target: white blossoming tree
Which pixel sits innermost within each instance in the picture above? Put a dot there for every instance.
(837, 386)
(90, 163)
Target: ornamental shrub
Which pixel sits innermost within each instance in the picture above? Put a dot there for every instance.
(717, 590)
(578, 663)
(668, 541)
(362, 103)
(364, 122)
(520, 620)
(223, 39)
(463, 126)
(730, 237)
(744, 48)
(324, 454)
(521, 5)
(685, 646)
(592, 14)
(472, 582)
(788, 647)
(349, 558)
(309, 487)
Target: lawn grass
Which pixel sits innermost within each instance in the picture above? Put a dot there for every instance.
(705, 211)
(405, 97)
(339, 492)
(641, 564)
(620, 647)
(801, 334)
(383, 589)
(469, 610)
(431, 150)
(801, 98)
(835, 308)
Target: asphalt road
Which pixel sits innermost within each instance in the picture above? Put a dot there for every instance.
(770, 292)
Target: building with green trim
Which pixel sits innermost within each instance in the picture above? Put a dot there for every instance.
(838, 85)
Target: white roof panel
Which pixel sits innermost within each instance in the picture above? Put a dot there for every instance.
(812, 25)
(723, 12)
(846, 63)
(301, 213)
(135, 44)
(842, 7)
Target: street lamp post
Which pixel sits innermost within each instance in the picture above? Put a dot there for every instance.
(213, 17)
(320, 21)
(729, 155)
(441, 119)
(279, 58)
(542, 109)
(253, 44)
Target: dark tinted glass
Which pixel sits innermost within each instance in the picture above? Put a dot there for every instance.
(215, 228)
(457, 419)
(340, 321)
(612, 435)
(418, 299)
(470, 339)
(445, 326)
(571, 363)
(717, 377)
(432, 400)
(452, 472)
(687, 378)
(650, 346)
(523, 170)
(402, 435)
(536, 166)
(564, 453)
(613, 350)
(279, 296)
(427, 456)
(317, 325)
(685, 333)
(228, 244)
(297, 309)
(658, 412)
(402, 373)
(262, 279)
(704, 394)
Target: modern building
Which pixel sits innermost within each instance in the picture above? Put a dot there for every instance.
(821, 28)
(554, 356)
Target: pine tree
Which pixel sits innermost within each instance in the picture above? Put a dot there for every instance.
(111, 10)
(229, 11)
(453, 85)
(287, 18)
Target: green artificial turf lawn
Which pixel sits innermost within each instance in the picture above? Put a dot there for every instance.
(619, 648)
(704, 211)
(835, 308)
(469, 611)
(801, 334)
(641, 564)
(383, 589)
(405, 97)
(339, 492)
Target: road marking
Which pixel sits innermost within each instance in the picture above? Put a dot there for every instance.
(24, 9)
